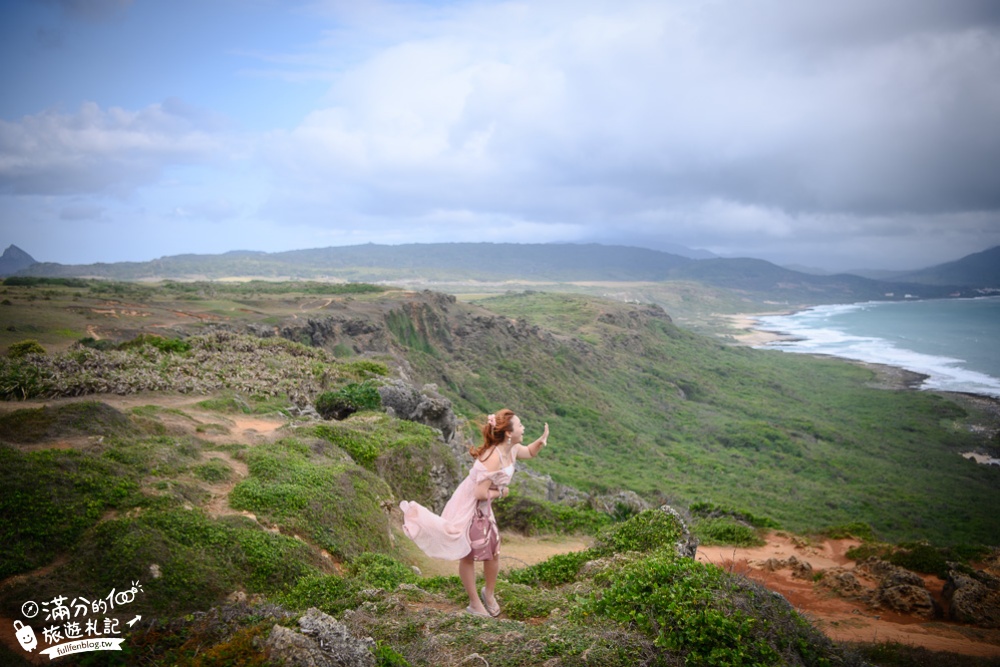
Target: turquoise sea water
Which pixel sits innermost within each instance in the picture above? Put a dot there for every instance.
(955, 342)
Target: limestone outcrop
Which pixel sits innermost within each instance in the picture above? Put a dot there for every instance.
(322, 641)
(973, 598)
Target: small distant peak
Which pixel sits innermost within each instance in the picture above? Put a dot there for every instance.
(14, 259)
(13, 252)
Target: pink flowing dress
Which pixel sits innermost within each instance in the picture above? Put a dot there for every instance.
(447, 536)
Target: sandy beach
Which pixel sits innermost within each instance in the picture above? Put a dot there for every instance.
(747, 333)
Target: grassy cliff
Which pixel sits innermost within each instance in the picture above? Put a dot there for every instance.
(185, 466)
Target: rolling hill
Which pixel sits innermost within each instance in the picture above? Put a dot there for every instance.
(479, 263)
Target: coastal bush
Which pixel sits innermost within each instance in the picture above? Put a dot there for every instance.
(705, 510)
(329, 593)
(724, 530)
(200, 559)
(555, 571)
(529, 516)
(214, 470)
(24, 348)
(347, 400)
(219, 361)
(375, 570)
(705, 615)
(857, 529)
(20, 380)
(96, 344)
(369, 437)
(926, 558)
(648, 530)
(165, 345)
(522, 602)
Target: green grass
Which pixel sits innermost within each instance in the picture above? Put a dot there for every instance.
(405, 454)
(337, 506)
(86, 418)
(50, 498)
(682, 418)
(199, 561)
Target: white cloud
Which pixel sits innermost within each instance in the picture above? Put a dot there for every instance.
(103, 150)
(822, 128)
(778, 119)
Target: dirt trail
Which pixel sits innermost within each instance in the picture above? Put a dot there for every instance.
(847, 620)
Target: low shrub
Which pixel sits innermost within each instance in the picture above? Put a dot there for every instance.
(349, 399)
(374, 570)
(705, 510)
(200, 559)
(20, 380)
(727, 531)
(73, 419)
(706, 615)
(521, 602)
(556, 571)
(215, 470)
(648, 530)
(23, 348)
(329, 593)
(96, 343)
(532, 517)
(165, 345)
(857, 529)
(50, 497)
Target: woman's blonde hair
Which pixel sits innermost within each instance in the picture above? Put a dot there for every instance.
(494, 431)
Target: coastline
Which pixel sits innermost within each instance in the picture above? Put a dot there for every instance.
(749, 334)
(983, 409)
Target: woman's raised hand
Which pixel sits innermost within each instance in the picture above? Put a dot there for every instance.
(545, 434)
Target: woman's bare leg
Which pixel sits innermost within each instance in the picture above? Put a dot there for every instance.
(490, 570)
(467, 573)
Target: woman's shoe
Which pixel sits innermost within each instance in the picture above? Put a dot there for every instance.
(470, 610)
(493, 609)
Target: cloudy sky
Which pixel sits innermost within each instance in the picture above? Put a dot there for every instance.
(848, 134)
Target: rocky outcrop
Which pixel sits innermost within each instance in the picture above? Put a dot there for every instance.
(800, 569)
(844, 583)
(425, 406)
(973, 598)
(621, 504)
(907, 599)
(322, 641)
(898, 589)
(686, 545)
(536, 486)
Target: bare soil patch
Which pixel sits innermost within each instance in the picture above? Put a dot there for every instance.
(842, 619)
(516, 551)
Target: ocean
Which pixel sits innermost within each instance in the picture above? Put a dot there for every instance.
(954, 342)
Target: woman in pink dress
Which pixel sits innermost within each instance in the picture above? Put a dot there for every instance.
(447, 536)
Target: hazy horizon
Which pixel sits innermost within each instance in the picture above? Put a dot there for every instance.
(839, 137)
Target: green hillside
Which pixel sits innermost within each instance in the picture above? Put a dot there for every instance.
(635, 402)
(172, 449)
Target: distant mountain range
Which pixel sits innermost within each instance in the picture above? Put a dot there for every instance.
(537, 263)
